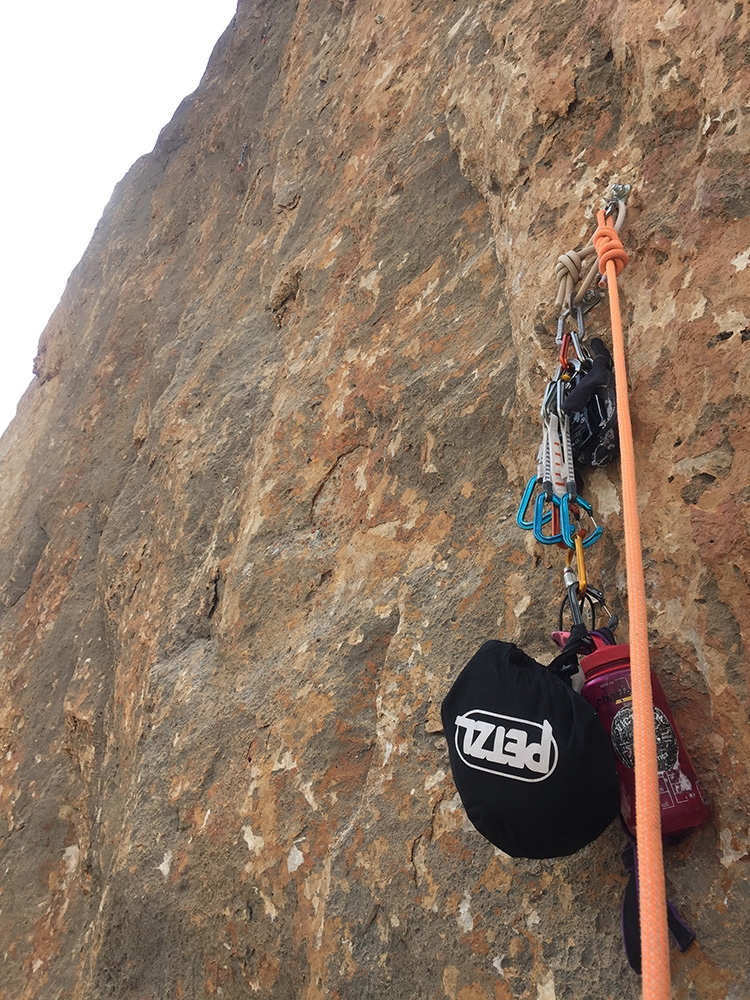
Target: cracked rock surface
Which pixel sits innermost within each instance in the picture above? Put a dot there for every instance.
(258, 508)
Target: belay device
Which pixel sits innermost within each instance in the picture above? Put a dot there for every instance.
(542, 756)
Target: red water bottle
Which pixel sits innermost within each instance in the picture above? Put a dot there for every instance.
(607, 689)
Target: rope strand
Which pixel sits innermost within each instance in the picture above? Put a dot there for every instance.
(653, 898)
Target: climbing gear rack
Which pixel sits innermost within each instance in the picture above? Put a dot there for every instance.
(579, 420)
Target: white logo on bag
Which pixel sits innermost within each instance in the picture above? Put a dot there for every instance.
(514, 748)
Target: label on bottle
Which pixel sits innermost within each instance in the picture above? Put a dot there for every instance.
(667, 748)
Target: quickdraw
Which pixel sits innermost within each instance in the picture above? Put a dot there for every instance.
(578, 413)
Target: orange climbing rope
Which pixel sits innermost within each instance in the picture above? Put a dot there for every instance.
(653, 898)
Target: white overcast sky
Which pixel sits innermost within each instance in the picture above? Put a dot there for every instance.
(86, 87)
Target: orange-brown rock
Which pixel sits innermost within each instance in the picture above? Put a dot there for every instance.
(258, 507)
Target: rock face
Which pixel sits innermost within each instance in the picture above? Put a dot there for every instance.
(258, 507)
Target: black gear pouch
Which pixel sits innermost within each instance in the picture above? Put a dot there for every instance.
(590, 402)
(531, 761)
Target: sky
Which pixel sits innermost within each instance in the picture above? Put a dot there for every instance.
(86, 87)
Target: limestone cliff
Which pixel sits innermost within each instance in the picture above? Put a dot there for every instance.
(258, 507)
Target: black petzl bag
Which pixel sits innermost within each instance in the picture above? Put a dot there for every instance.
(531, 761)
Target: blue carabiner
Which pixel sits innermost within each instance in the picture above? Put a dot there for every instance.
(541, 518)
(568, 527)
(524, 505)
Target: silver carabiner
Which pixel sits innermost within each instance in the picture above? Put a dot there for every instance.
(579, 336)
(561, 325)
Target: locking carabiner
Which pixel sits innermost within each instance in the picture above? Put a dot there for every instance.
(563, 359)
(580, 565)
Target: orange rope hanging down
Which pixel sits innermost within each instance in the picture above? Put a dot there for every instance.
(652, 891)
